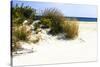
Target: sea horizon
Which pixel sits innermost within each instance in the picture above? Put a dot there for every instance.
(88, 19)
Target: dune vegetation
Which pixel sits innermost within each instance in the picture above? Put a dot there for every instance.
(51, 18)
(20, 32)
(70, 28)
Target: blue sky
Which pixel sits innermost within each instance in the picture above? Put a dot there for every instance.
(73, 10)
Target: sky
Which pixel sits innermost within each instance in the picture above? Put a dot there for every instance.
(72, 10)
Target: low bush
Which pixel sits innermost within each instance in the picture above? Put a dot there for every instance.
(21, 13)
(56, 18)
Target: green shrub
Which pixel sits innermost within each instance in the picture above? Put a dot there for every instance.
(21, 13)
(56, 18)
(17, 21)
(70, 28)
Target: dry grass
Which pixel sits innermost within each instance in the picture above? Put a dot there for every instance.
(70, 28)
(19, 33)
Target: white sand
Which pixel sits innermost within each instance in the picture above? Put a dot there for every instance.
(52, 50)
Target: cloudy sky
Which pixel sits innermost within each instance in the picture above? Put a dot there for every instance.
(73, 10)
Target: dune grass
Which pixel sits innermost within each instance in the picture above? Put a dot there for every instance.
(70, 28)
(19, 33)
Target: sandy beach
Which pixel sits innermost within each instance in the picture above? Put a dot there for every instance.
(52, 50)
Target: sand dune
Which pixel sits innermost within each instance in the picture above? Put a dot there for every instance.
(52, 50)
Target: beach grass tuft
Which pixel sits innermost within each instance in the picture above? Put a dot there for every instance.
(70, 28)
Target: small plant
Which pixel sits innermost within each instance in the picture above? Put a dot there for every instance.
(70, 28)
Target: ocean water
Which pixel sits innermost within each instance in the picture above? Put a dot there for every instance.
(88, 19)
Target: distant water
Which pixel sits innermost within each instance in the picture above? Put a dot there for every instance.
(86, 19)
(78, 18)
